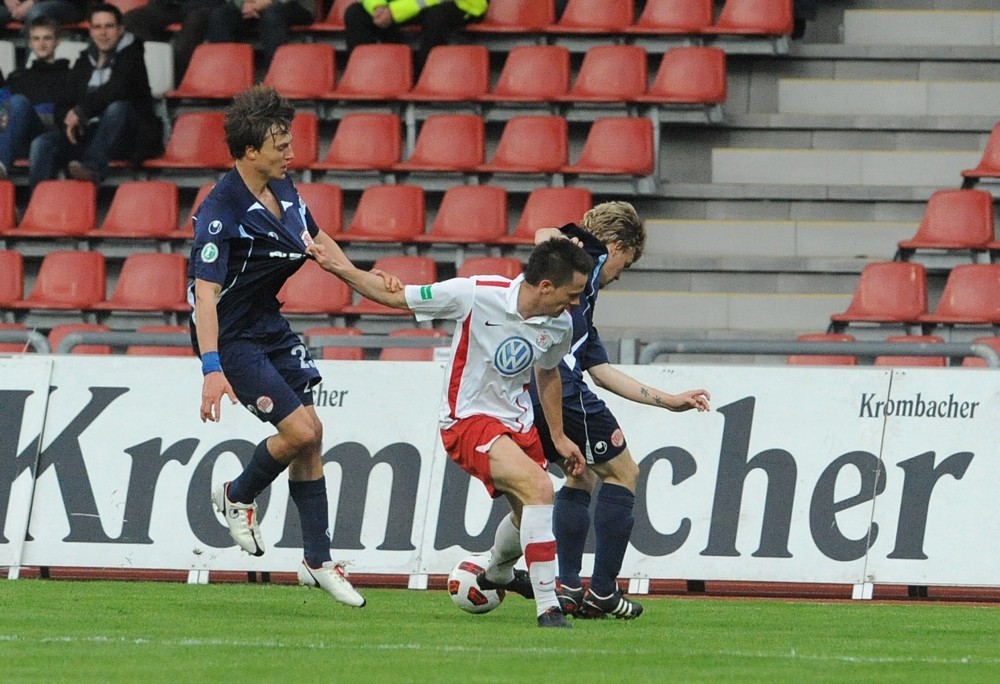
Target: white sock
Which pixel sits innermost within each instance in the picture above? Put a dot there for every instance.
(505, 553)
(539, 546)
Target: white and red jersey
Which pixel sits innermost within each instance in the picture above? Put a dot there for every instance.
(494, 348)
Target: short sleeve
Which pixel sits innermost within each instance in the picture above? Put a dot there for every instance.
(447, 300)
(210, 253)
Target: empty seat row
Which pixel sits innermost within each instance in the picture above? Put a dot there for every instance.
(469, 214)
(531, 73)
(690, 17)
(895, 293)
(59, 333)
(901, 360)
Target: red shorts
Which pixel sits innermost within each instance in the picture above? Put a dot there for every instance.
(467, 443)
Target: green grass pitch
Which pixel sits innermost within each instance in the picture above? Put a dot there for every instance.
(69, 631)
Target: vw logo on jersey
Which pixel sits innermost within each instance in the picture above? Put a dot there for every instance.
(513, 356)
(215, 227)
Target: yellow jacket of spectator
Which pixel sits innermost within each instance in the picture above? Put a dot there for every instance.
(404, 10)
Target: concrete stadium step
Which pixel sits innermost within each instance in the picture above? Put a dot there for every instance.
(827, 167)
(775, 239)
(900, 98)
(922, 27)
(624, 310)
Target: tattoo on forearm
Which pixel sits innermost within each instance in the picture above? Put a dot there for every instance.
(646, 394)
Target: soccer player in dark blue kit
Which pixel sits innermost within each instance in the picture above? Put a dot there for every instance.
(251, 234)
(613, 235)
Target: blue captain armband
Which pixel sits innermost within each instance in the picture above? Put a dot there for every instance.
(210, 363)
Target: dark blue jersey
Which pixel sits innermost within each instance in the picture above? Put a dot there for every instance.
(242, 246)
(587, 349)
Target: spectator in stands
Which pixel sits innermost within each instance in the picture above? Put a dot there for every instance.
(110, 112)
(380, 21)
(26, 11)
(150, 23)
(234, 20)
(32, 93)
(613, 235)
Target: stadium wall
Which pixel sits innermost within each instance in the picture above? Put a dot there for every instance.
(856, 476)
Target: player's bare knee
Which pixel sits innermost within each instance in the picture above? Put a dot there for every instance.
(538, 490)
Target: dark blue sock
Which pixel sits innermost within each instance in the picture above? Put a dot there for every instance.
(314, 516)
(613, 522)
(260, 472)
(570, 524)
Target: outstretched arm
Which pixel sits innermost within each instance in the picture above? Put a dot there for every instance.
(375, 285)
(610, 378)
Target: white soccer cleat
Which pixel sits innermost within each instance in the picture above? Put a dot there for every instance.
(331, 578)
(242, 521)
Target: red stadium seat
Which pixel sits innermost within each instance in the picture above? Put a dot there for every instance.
(447, 142)
(59, 333)
(887, 292)
(508, 267)
(754, 17)
(305, 140)
(452, 73)
(364, 141)
(217, 71)
(141, 209)
(413, 353)
(326, 204)
(469, 214)
(989, 164)
(59, 208)
(594, 16)
(971, 296)
(311, 290)
(664, 17)
(197, 141)
(954, 220)
(617, 145)
(187, 229)
(8, 207)
(67, 280)
(610, 73)
(302, 71)
(549, 208)
(161, 350)
(11, 277)
(530, 144)
(411, 270)
(150, 282)
(516, 16)
(336, 353)
(532, 73)
(334, 19)
(979, 362)
(689, 75)
(823, 360)
(14, 347)
(375, 72)
(912, 360)
(387, 213)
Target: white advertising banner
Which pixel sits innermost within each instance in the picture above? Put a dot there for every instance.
(24, 391)
(798, 474)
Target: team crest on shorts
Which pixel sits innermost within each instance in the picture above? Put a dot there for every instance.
(264, 404)
(617, 438)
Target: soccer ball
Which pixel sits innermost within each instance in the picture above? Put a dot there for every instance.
(464, 590)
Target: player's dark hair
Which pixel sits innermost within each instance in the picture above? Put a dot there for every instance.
(106, 7)
(557, 261)
(46, 22)
(255, 114)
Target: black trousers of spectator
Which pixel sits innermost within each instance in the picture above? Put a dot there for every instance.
(227, 25)
(437, 24)
(150, 22)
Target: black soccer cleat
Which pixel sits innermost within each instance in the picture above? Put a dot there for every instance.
(617, 606)
(570, 598)
(521, 584)
(553, 617)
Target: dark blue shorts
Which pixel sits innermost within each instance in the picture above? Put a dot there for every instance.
(597, 434)
(271, 377)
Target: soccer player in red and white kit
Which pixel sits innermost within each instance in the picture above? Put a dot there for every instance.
(505, 330)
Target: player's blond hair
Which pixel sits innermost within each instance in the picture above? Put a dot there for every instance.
(613, 222)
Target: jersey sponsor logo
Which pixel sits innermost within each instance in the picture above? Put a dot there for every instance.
(264, 404)
(425, 293)
(617, 438)
(215, 227)
(513, 356)
(209, 253)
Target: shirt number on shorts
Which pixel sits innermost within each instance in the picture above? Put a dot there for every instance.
(302, 354)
